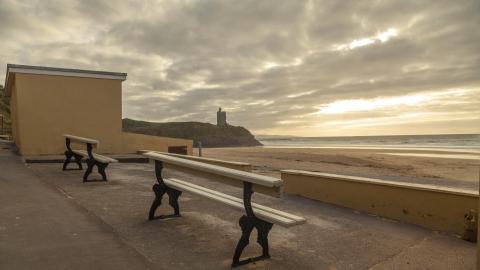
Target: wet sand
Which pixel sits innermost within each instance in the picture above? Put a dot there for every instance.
(451, 169)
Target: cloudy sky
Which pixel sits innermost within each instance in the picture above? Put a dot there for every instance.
(311, 68)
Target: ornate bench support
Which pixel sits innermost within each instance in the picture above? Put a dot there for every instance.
(69, 154)
(91, 162)
(247, 223)
(160, 189)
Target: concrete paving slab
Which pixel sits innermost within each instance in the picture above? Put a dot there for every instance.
(43, 228)
(424, 255)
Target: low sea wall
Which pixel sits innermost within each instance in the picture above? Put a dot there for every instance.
(436, 208)
(132, 142)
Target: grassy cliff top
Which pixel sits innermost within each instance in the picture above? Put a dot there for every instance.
(210, 135)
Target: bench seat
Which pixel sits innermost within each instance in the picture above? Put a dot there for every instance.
(261, 183)
(97, 157)
(269, 214)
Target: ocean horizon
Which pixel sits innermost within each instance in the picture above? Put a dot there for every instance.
(445, 142)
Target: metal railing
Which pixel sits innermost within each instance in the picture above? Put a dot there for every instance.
(5, 126)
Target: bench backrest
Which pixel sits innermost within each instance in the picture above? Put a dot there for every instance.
(242, 166)
(79, 139)
(261, 183)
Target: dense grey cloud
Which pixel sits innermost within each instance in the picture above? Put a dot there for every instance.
(278, 67)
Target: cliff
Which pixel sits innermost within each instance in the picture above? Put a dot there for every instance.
(210, 135)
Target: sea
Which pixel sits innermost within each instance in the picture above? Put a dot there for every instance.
(465, 143)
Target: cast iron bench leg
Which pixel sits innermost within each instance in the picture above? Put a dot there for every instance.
(90, 164)
(78, 160)
(100, 167)
(160, 189)
(69, 154)
(101, 170)
(68, 157)
(247, 224)
(173, 195)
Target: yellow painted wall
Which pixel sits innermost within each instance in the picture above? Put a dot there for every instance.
(45, 107)
(437, 209)
(49, 106)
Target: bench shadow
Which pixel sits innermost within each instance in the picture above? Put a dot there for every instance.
(95, 180)
(166, 217)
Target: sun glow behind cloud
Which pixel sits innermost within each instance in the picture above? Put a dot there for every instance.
(300, 94)
(381, 37)
(269, 65)
(357, 105)
(402, 114)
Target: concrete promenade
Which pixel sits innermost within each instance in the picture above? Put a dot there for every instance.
(41, 227)
(49, 219)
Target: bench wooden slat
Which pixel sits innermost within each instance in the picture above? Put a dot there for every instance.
(274, 192)
(99, 158)
(81, 139)
(207, 193)
(258, 179)
(224, 163)
(254, 205)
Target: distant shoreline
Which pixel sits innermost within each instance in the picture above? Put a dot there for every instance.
(450, 149)
(414, 150)
(276, 137)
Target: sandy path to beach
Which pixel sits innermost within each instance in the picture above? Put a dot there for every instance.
(377, 163)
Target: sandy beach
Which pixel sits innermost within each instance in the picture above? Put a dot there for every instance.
(451, 169)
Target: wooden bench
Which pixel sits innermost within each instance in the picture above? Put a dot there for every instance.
(256, 216)
(4, 137)
(92, 159)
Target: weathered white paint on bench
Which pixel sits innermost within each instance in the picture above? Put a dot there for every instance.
(97, 157)
(82, 139)
(235, 174)
(243, 166)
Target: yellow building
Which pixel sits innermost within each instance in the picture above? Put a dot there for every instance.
(46, 103)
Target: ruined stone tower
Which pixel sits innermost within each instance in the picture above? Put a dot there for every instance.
(221, 118)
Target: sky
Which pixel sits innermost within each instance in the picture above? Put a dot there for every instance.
(304, 68)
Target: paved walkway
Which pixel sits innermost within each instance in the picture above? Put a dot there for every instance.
(42, 228)
(49, 219)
